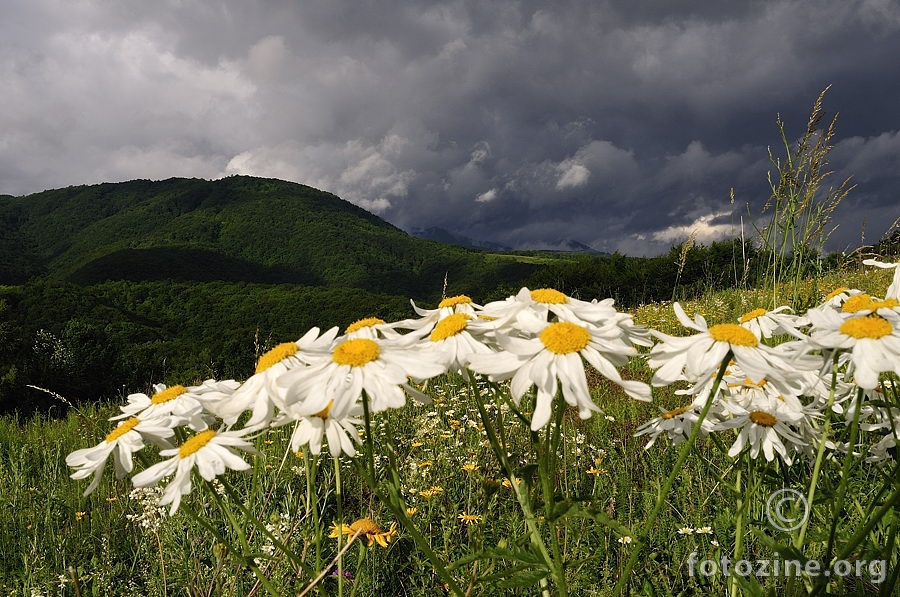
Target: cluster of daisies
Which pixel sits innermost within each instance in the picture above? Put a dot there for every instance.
(535, 339)
(317, 384)
(776, 393)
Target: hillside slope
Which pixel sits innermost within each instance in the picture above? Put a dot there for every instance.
(235, 229)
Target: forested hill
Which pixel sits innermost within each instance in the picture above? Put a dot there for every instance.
(235, 229)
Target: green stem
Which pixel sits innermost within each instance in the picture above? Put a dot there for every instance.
(683, 453)
(517, 486)
(845, 475)
(743, 502)
(340, 523)
(820, 454)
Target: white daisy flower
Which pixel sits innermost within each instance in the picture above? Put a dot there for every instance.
(372, 327)
(553, 358)
(872, 340)
(764, 425)
(678, 422)
(381, 368)
(123, 441)
(212, 452)
(428, 318)
(865, 304)
(339, 426)
(177, 401)
(836, 297)
(455, 338)
(521, 310)
(893, 290)
(765, 324)
(258, 392)
(696, 358)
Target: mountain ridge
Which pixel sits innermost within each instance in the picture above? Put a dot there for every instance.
(236, 228)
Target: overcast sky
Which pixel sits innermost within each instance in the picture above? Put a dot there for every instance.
(619, 124)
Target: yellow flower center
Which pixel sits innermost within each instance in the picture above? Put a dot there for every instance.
(857, 303)
(762, 418)
(122, 429)
(455, 300)
(195, 443)
(366, 526)
(675, 412)
(752, 315)
(836, 292)
(323, 414)
(873, 327)
(168, 394)
(890, 303)
(565, 337)
(276, 355)
(733, 334)
(548, 296)
(368, 322)
(450, 326)
(356, 353)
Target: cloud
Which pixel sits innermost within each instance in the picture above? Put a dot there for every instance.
(486, 196)
(620, 125)
(572, 175)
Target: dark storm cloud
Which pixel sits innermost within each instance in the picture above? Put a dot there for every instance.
(618, 124)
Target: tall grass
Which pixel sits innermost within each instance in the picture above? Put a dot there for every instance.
(800, 207)
(53, 541)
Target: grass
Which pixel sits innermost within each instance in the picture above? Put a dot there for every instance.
(53, 541)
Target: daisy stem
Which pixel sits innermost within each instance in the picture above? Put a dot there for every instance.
(820, 454)
(683, 453)
(518, 488)
(340, 521)
(548, 463)
(845, 474)
(743, 503)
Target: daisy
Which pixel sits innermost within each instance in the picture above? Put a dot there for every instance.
(210, 451)
(258, 392)
(380, 368)
(429, 317)
(455, 338)
(872, 340)
(371, 327)
(123, 441)
(177, 401)
(553, 358)
(337, 424)
(519, 310)
(696, 358)
(686, 531)
(865, 304)
(836, 297)
(893, 290)
(678, 422)
(764, 425)
(765, 324)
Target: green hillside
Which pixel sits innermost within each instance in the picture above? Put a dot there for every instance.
(108, 288)
(235, 229)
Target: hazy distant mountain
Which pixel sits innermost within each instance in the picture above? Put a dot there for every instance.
(442, 235)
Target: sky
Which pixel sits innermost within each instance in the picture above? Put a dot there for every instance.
(622, 125)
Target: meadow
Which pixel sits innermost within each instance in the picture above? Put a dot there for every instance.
(460, 496)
